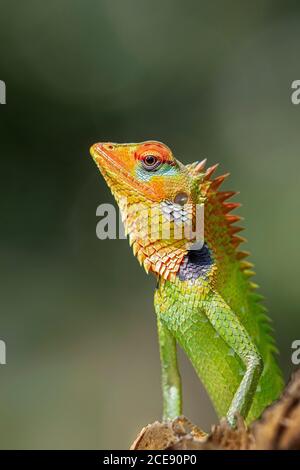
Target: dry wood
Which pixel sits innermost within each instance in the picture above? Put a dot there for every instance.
(278, 428)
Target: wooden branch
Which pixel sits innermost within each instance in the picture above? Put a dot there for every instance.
(278, 428)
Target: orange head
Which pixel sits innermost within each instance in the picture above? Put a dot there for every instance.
(147, 175)
(147, 169)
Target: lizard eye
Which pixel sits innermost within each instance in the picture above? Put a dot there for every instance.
(150, 162)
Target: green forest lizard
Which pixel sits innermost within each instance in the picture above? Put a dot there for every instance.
(205, 300)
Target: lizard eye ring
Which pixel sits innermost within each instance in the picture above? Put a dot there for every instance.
(150, 162)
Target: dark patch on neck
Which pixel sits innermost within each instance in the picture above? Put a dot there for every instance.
(196, 263)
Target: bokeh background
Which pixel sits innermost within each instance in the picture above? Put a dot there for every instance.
(210, 79)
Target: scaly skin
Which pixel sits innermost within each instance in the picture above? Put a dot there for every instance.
(204, 299)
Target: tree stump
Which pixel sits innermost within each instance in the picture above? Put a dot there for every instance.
(277, 429)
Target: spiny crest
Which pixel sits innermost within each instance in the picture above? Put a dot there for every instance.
(210, 189)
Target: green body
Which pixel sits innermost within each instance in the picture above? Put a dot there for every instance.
(181, 308)
(220, 323)
(204, 301)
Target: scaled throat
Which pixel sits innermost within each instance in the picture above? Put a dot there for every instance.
(196, 264)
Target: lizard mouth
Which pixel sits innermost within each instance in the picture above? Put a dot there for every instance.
(113, 170)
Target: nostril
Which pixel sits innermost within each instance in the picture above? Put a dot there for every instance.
(110, 146)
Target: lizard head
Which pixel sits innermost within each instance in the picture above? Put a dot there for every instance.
(157, 197)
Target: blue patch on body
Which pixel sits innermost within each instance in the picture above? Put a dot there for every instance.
(163, 170)
(195, 264)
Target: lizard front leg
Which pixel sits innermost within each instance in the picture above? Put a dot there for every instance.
(171, 382)
(228, 326)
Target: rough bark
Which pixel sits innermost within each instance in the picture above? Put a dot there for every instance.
(278, 428)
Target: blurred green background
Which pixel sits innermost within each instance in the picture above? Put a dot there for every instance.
(209, 78)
